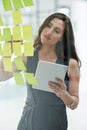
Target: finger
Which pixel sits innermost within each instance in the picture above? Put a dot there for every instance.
(54, 88)
(59, 81)
(56, 84)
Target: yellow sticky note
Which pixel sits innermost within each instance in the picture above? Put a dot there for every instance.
(1, 37)
(17, 50)
(1, 21)
(30, 78)
(7, 64)
(17, 4)
(28, 49)
(6, 49)
(27, 32)
(17, 33)
(17, 18)
(28, 2)
(19, 64)
(18, 78)
(6, 34)
(0, 50)
(7, 5)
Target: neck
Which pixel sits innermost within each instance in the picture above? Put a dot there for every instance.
(46, 50)
(47, 54)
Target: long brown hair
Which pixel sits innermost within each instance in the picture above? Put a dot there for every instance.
(66, 48)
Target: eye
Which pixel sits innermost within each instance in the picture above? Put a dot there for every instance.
(57, 30)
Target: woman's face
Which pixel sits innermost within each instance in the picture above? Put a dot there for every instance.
(53, 32)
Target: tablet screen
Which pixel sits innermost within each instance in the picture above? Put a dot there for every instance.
(48, 71)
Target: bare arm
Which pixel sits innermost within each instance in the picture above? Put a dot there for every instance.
(74, 78)
(4, 75)
(71, 97)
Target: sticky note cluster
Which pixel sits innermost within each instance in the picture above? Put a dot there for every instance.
(16, 33)
(17, 4)
(16, 40)
(16, 18)
(17, 48)
(21, 78)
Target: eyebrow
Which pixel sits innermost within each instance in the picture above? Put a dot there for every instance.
(55, 27)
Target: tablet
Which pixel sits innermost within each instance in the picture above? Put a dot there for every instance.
(48, 71)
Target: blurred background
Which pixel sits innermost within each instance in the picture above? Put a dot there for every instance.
(12, 96)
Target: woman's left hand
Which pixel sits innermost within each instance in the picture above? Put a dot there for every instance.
(58, 87)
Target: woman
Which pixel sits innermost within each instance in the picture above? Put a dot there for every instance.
(46, 110)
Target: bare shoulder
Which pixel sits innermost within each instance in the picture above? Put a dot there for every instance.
(73, 63)
(73, 69)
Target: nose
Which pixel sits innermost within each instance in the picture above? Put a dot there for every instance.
(49, 32)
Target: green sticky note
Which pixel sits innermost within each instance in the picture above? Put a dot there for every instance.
(17, 50)
(30, 78)
(7, 5)
(1, 21)
(1, 37)
(1, 50)
(28, 2)
(17, 18)
(6, 34)
(17, 33)
(28, 49)
(17, 4)
(7, 64)
(18, 78)
(6, 49)
(19, 64)
(27, 32)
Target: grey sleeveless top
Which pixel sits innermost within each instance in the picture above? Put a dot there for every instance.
(43, 110)
(34, 96)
